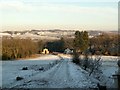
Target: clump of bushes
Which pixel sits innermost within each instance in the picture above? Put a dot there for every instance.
(92, 65)
(88, 63)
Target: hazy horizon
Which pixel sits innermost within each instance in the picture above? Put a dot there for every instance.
(55, 29)
(20, 15)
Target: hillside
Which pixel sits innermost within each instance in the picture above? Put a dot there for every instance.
(50, 34)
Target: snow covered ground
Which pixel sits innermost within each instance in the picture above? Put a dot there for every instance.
(12, 69)
(57, 73)
(109, 68)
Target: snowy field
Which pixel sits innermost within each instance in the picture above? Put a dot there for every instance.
(56, 73)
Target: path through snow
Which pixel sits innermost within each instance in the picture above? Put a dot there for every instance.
(65, 74)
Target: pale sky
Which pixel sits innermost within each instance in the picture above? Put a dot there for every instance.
(59, 14)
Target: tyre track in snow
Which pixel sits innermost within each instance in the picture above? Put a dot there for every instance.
(62, 76)
(65, 80)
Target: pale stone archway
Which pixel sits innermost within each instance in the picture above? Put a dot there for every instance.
(45, 51)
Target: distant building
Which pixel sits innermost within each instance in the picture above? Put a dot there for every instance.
(68, 51)
(45, 51)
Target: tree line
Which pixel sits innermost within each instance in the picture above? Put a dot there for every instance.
(104, 44)
(13, 48)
